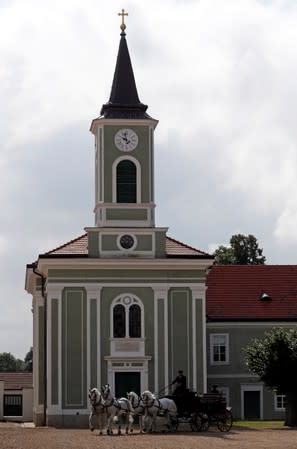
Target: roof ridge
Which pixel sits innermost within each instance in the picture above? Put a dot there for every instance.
(67, 243)
(187, 246)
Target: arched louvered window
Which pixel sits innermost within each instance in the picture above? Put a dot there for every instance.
(134, 321)
(126, 182)
(119, 321)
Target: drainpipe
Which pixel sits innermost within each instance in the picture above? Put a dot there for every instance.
(44, 342)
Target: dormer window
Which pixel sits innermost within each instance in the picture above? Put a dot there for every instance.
(265, 297)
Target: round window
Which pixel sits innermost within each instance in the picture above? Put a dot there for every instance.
(127, 241)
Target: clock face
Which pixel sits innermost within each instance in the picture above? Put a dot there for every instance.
(126, 140)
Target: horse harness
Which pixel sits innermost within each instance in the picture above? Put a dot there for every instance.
(157, 406)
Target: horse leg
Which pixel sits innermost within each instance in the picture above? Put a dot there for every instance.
(91, 427)
(140, 423)
(131, 421)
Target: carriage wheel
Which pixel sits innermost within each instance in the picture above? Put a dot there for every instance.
(204, 422)
(195, 422)
(173, 423)
(225, 421)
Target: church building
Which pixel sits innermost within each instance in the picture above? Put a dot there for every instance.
(123, 303)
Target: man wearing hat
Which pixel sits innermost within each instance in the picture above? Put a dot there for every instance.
(181, 383)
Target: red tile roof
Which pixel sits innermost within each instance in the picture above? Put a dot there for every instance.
(234, 292)
(79, 246)
(16, 381)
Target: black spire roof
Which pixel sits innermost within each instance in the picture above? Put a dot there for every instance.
(124, 101)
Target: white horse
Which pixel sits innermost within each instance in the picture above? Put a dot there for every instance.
(97, 409)
(159, 407)
(138, 407)
(116, 408)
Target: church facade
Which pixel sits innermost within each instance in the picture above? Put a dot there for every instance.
(123, 303)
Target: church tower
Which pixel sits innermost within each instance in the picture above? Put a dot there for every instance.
(123, 303)
(124, 169)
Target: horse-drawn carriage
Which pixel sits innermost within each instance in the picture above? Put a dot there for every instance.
(199, 411)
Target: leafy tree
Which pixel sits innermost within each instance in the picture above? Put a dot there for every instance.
(9, 363)
(29, 360)
(243, 250)
(274, 359)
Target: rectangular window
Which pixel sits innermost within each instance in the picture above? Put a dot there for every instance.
(13, 405)
(219, 349)
(279, 402)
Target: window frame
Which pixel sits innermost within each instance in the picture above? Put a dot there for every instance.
(283, 399)
(114, 178)
(212, 338)
(134, 300)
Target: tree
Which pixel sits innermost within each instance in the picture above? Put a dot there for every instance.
(274, 359)
(243, 250)
(9, 363)
(29, 360)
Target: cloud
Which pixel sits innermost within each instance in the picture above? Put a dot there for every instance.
(220, 77)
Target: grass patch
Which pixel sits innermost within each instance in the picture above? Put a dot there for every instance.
(275, 424)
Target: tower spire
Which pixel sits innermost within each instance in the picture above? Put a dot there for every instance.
(124, 101)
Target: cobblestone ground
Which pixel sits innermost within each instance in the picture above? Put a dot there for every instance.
(14, 436)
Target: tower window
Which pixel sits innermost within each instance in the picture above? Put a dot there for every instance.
(126, 182)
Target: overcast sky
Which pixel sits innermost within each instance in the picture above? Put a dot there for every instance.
(220, 76)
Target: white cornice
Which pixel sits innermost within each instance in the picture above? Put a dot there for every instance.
(137, 263)
(109, 230)
(99, 121)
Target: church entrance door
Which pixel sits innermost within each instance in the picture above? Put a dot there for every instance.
(126, 381)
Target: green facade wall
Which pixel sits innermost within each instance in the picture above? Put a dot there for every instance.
(141, 153)
(74, 348)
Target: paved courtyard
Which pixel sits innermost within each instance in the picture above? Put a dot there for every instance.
(19, 437)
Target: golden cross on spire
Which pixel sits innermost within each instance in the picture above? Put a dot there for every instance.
(123, 14)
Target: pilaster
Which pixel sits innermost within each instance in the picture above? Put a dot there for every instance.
(160, 295)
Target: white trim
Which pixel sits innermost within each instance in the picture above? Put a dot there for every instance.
(194, 343)
(60, 350)
(99, 368)
(276, 408)
(121, 248)
(123, 284)
(53, 292)
(140, 264)
(242, 324)
(211, 345)
(198, 294)
(93, 292)
(121, 122)
(127, 367)
(116, 162)
(166, 343)
(156, 351)
(251, 387)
